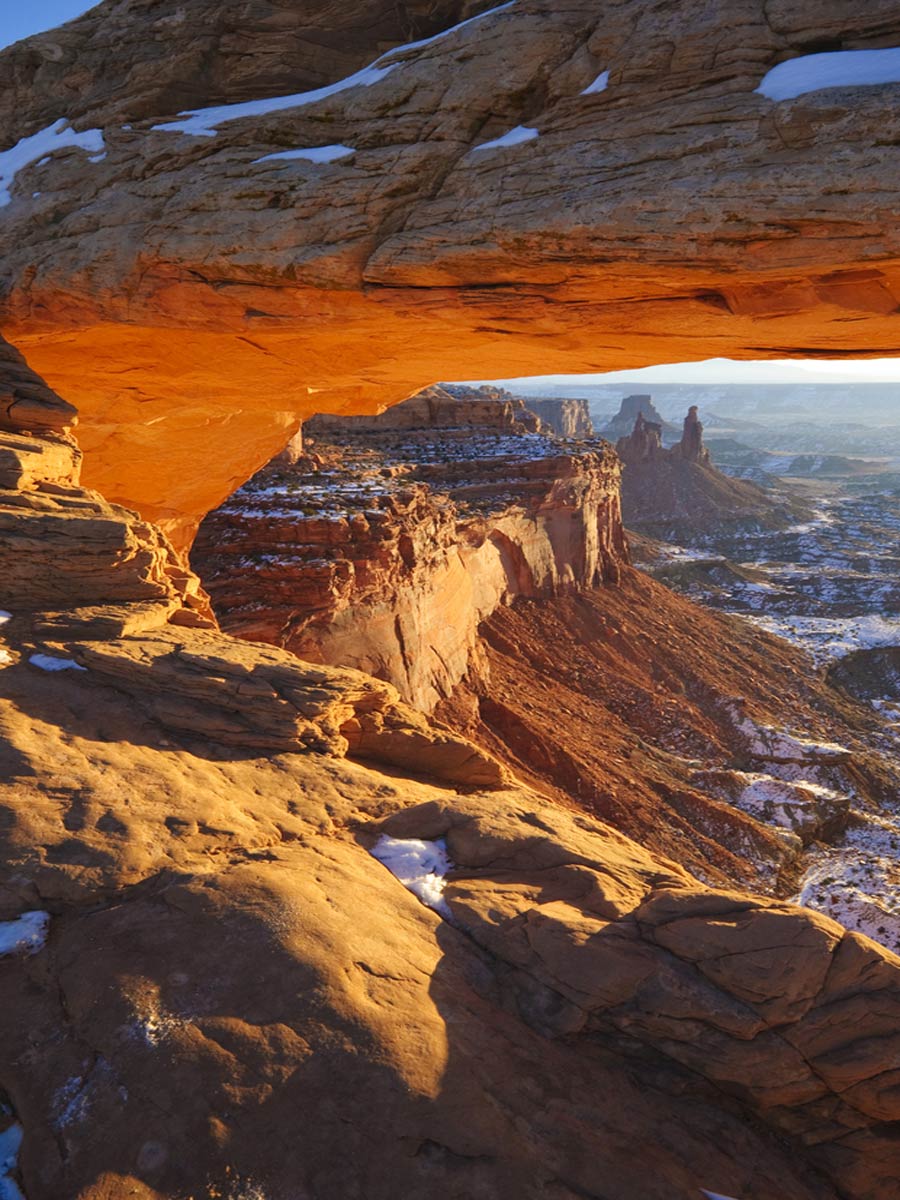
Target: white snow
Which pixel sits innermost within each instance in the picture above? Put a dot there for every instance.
(203, 122)
(828, 638)
(316, 154)
(420, 866)
(47, 662)
(858, 882)
(24, 935)
(5, 616)
(10, 1141)
(599, 84)
(766, 742)
(521, 133)
(839, 68)
(41, 145)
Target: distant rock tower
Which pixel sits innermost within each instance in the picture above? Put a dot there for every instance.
(691, 446)
(643, 444)
(632, 407)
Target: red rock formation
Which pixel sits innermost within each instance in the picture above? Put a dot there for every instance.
(484, 411)
(388, 559)
(181, 806)
(634, 407)
(64, 547)
(567, 418)
(234, 996)
(195, 297)
(691, 446)
(644, 443)
(678, 492)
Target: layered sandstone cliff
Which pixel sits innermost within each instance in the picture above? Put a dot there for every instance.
(387, 547)
(195, 291)
(567, 418)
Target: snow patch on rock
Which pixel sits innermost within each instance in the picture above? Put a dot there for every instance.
(419, 865)
(521, 133)
(315, 154)
(204, 122)
(839, 68)
(767, 742)
(600, 84)
(49, 662)
(26, 934)
(40, 146)
(858, 883)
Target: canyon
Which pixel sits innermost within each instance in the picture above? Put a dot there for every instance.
(387, 545)
(212, 981)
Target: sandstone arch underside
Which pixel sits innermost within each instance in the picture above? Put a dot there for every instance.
(194, 296)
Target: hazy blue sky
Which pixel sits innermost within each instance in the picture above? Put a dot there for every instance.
(19, 19)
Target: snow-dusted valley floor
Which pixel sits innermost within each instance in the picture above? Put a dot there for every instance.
(831, 585)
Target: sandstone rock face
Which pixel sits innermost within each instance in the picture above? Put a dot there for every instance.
(229, 972)
(195, 296)
(388, 556)
(249, 977)
(26, 402)
(567, 418)
(677, 492)
(631, 410)
(64, 547)
(691, 445)
(223, 951)
(487, 410)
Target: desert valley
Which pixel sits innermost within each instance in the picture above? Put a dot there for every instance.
(421, 774)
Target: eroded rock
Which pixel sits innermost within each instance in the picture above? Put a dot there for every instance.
(281, 287)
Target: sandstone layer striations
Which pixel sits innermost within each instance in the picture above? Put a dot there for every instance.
(385, 547)
(234, 995)
(194, 292)
(567, 418)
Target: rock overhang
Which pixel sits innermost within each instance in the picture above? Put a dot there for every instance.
(195, 297)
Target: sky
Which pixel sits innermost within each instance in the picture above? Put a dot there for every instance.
(724, 370)
(19, 19)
